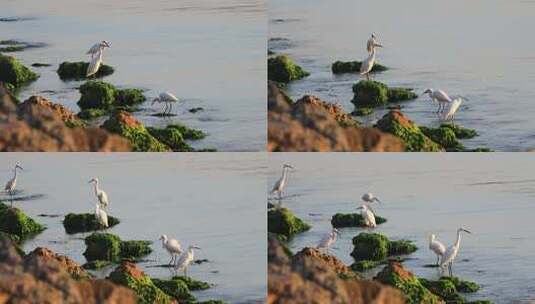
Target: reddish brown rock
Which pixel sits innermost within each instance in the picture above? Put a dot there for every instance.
(41, 102)
(75, 270)
(313, 125)
(311, 279)
(312, 253)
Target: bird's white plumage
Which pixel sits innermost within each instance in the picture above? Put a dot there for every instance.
(368, 63)
(186, 258)
(327, 240)
(12, 183)
(454, 106)
(94, 65)
(367, 215)
(167, 97)
(279, 185)
(101, 216)
(372, 43)
(436, 246)
(99, 193)
(451, 252)
(97, 47)
(370, 198)
(171, 245)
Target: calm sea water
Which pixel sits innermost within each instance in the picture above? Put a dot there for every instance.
(477, 49)
(491, 195)
(191, 197)
(210, 53)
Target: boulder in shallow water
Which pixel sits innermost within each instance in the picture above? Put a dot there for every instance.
(340, 67)
(282, 69)
(85, 222)
(14, 72)
(283, 221)
(78, 70)
(175, 136)
(109, 247)
(341, 220)
(377, 247)
(370, 93)
(15, 222)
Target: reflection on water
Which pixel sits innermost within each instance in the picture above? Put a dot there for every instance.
(209, 53)
(424, 194)
(477, 49)
(212, 200)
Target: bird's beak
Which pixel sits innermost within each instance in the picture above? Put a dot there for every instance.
(19, 167)
(378, 45)
(467, 231)
(378, 200)
(199, 248)
(360, 207)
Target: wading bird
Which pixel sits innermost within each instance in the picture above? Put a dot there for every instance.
(370, 198)
(372, 42)
(168, 99)
(101, 216)
(439, 96)
(12, 183)
(98, 47)
(185, 259)
(451, 253)
(101, 195)
(367, 215)
(281, 183)
(454, 106)
(437, 247)
(94, 65)
(328, 240)
(172, 246)
(367, 64)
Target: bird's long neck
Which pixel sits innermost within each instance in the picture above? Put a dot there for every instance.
(284, 173)
(372, 54)
(96, 187)
(15, 174)
(458, 241)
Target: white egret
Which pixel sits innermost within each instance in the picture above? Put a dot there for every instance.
(12, 183)
(436, 246)
(94, 65)
(439, 96)
(451, 253)
(328, 240)
(454, 106)
(367, 65)
(281, 183)
(370, 198)
(185, 259)
(368, 216)
(172, 246)
(101, 195)
(372, 42)
(101, 216)
(168, 99)
(98, 47)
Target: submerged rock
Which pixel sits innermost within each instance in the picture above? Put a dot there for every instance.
(77, 70)
(109, 247)
(394, 122)
(104, 96)
(96, 264)
(14, 72)
(14, 221)
(340, 67)
(341, 220)
(282, 69)
(373, 249)
(124, 124)
(445, 137)
(362, 112)
(394, 274)
(179, 287)
(85, 222)
(175, 136)
(370, 93)
(283, 221)
(40, 65)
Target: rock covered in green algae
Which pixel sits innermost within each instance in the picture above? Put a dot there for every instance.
(395, 275)
(85, 222)
(175, 135)
(77, 70)
(88, 114)
(15, 73)
(401, 247)
(179, 287)
(15, 222)
(104, 96)
(362, 112)
(341, 220)
(124, 124)
(372, 249)
(370, 93)
(445, 137)
(283, 221)
(394, 122)
(109, 247)
(97, 264)
(129, 275)
(449, 288)
(340, 67)
(282, 69)
(128, 97)
(365, 265)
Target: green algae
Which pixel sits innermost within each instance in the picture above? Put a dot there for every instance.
(15, 222)
(88, 114)
(15, 73)
(444, 137)
(176, 289)
(364, 265)
(370, 93)
(450, 289)
(175, 135)
(96, 95)
(85, 222)
(401, 247)
(109, 247)
(340, 67)
(362, 112)
(97, 264)
(341, 220)
(134, 249)
(370, 248)
(77, 70)
(12, 48)
(128, 97)
(283, 221)
(282, 69)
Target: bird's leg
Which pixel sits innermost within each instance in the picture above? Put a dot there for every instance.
(449, 267)
(172, 258)
(170, 108)
(437, 260)
(11, 196)
(186, 271)
(368, 76)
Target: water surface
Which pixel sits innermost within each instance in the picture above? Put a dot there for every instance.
(491, 195)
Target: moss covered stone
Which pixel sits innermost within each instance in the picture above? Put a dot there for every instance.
(283, 221)
(401, 247)
(340, 67)
(377, 247)
(109, 247)
(282, 69)
(370, 93)
(128, 97)
(104, 96)
(127, 274)
(450, 288)
(175, 136)
(362, 112)
(341, 220)
(15, 222)
(97, 264)
(394, 122)
(444, 137)
(88, 114)
(179, 287)
(77, 70)
(85, 222)
(364, 265)
(395, 275)
(15, 73)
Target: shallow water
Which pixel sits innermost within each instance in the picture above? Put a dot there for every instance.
(190, 197)
(491, 195)
(209, 53)
(477, 49)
